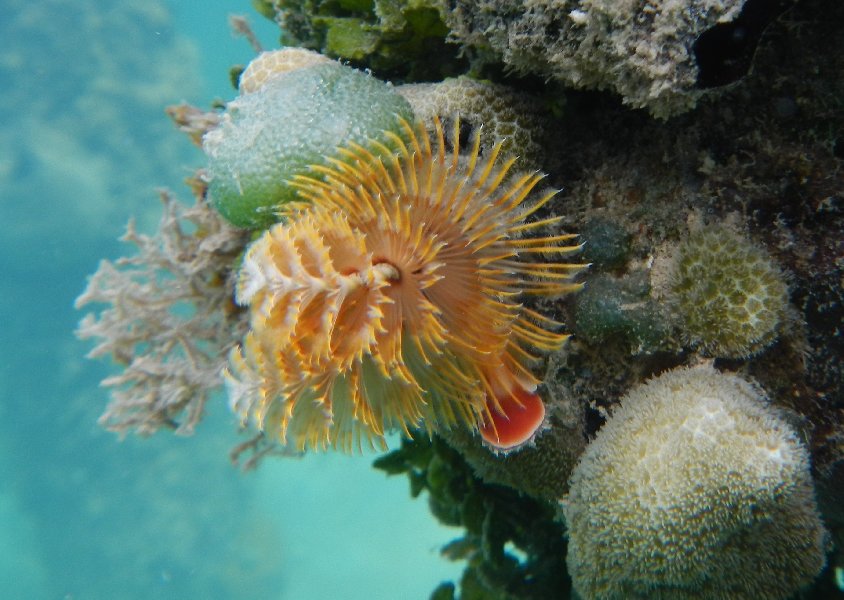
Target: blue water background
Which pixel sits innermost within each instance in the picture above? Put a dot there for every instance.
(84, 143)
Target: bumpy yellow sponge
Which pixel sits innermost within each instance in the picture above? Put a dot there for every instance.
(729, 294)
(694, 488)
(276, 62)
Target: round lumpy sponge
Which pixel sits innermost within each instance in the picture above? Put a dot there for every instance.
(730, 296)
(291, 121)
(695, 488)
(272, 63)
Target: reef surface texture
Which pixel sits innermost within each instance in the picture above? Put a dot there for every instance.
(695, 147)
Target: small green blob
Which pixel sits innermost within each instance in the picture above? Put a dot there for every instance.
(294, 121)
(729, 295)
(620, 309)
(444, 591)
(265, 8)
(348, 37)
(598, 309)
(607, 244)
(234, 75)
(425, 21)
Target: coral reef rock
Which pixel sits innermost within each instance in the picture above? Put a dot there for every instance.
(645, 51)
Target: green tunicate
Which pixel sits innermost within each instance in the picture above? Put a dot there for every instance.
(613, 309)
(294, 121)
(607, 244)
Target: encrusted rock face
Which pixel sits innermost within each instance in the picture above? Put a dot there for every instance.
(644, 51)
(694, 488)
(397, 39)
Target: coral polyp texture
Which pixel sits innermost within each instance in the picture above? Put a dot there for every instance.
(503, 113)
(273, 63)
(694, 488)
(295, 119)
(388, 300)
(730, 296)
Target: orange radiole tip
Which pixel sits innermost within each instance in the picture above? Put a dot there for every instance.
(514, 421)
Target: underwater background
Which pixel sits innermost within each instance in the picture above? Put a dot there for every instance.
(695, 149)
(85, 144)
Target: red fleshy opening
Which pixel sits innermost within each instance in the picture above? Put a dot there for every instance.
(517, 423)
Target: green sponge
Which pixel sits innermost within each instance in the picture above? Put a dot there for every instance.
(294, 120)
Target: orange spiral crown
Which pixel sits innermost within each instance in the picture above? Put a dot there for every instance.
(387, 299)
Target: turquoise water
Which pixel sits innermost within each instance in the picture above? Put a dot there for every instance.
(84, 144)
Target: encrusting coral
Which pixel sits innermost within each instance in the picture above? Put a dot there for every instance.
(730, 296)
(502, 113)
(170, 320)
(694, 488)
(388, 298)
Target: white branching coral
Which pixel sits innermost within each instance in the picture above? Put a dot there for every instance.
(169, 319)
